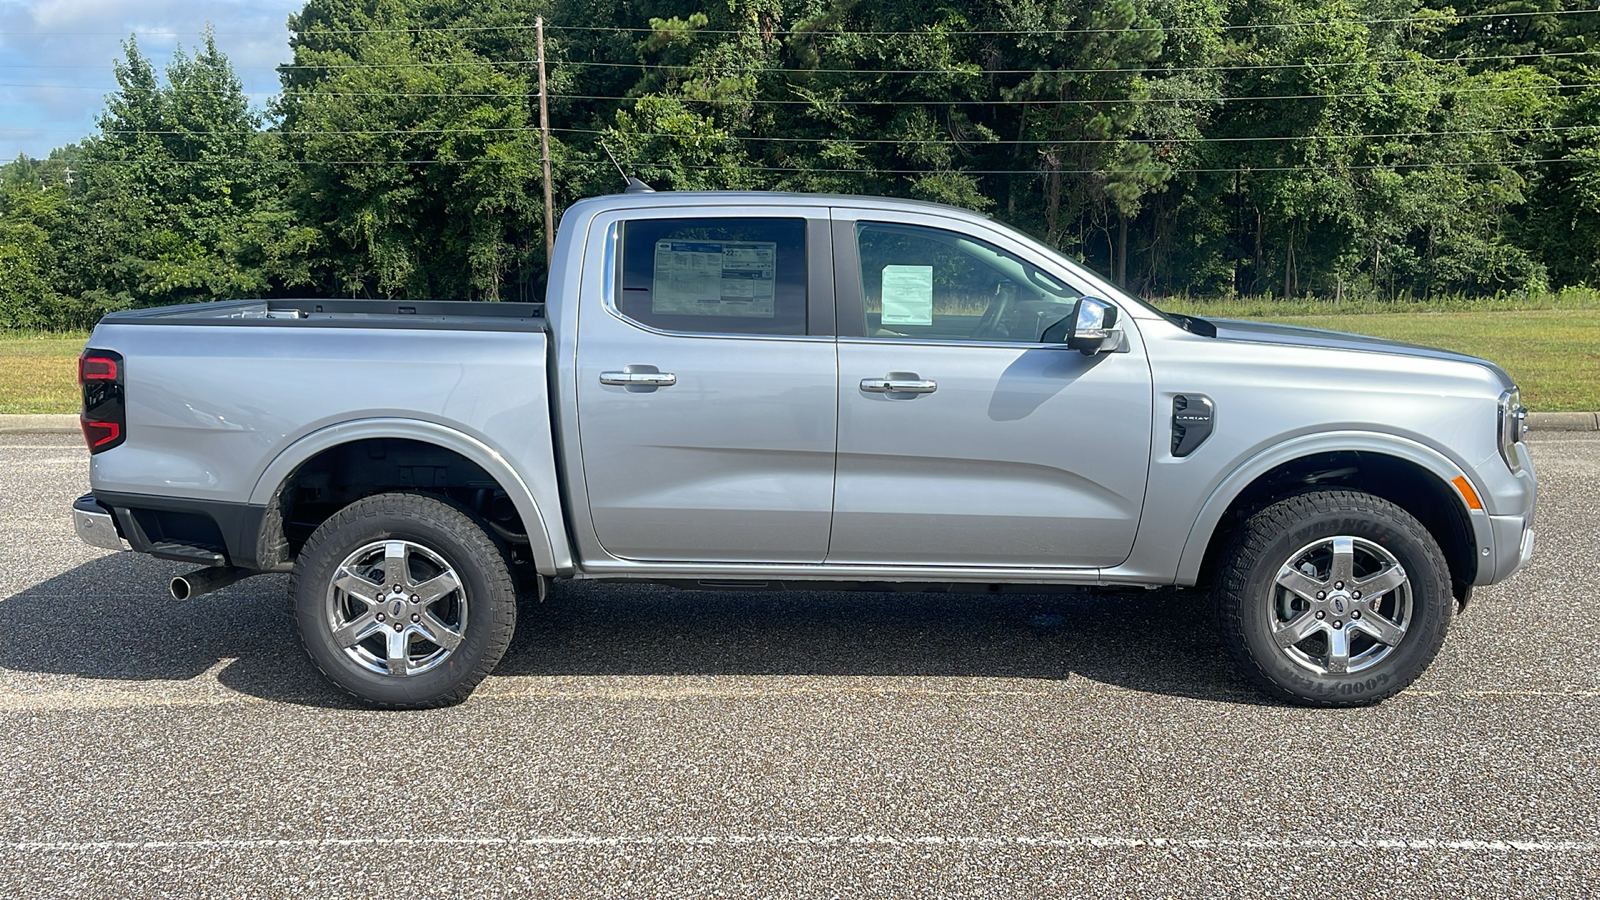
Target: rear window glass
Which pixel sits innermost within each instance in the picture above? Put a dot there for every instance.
(715, 276)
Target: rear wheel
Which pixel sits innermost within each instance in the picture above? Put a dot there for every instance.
(404, 600)
(1333, 598)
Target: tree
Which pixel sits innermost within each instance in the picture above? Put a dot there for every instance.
(417, 157)
(182, 197)
(28, 213)
(1290, 147)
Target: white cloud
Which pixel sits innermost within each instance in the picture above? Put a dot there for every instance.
(56, 56)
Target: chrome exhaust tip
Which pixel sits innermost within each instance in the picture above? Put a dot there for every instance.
(204, 581)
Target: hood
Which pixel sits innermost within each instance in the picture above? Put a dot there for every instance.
(1295, 335)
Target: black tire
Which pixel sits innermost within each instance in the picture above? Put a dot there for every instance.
(1277, 581)
(414, 543)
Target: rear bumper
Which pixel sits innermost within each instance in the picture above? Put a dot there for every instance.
(95, 525)
(205, 533)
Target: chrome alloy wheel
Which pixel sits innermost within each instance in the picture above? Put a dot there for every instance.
(396, 608)
(1340, 605)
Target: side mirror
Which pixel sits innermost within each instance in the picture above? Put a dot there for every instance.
(1090, 328)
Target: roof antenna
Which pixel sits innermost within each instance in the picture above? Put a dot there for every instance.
(634, 185)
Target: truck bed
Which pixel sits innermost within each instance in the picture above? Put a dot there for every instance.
(217, 417)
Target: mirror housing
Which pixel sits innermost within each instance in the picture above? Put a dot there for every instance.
(1090, 329)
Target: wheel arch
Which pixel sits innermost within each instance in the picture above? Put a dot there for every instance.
(1409, 474)
(320, 445)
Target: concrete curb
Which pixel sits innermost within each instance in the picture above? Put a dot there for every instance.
(1564, 421)
(13, 424)
(1539, 421)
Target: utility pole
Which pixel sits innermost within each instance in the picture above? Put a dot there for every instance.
(544, 149)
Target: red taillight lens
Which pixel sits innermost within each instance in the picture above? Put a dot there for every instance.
(96, 368)
(105, 414)
(98, 434)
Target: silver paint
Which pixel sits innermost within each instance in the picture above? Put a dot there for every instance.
(1019, 463)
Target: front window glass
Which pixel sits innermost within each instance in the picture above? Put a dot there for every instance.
(933, 284)
(715, 276)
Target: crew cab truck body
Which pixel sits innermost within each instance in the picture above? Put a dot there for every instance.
(746, 388)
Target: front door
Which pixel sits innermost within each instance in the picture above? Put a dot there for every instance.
(964, 440)
(706, 388)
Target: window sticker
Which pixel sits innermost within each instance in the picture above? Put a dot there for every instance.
(907, 295)
(715, 278)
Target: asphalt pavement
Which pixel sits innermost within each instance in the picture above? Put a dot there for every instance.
(643, 742)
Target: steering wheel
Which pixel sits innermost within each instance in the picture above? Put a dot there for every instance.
(992, 323)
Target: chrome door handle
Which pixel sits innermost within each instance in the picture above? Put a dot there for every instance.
(632, 379)
(897, 386)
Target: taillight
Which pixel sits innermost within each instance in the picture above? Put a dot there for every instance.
(105, 417)
(97, 368)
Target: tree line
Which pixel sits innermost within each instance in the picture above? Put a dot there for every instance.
(1385, 148)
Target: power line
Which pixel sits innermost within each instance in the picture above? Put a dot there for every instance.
(438, 95)
(156, 132)
(949, 70)
(1451, 164)
(823, 101)
(1160, 70)
(531, 129)
(314, 32)
(1445, 20)
(173, 90)
(1092, 141)
(442, 95)
(934, 31)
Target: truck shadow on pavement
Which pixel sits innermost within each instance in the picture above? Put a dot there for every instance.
(112, 619)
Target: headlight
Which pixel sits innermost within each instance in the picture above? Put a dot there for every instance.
(1513, 415)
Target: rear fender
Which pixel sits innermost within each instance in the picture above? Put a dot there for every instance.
(550, 556)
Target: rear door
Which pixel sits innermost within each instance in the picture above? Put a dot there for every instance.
(964, 440)
(707, 385)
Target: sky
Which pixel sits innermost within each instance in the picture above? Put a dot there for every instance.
(56, 57)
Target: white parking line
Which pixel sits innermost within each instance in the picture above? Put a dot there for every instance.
(873, 841)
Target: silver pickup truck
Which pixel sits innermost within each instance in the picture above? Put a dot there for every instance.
(747, 389)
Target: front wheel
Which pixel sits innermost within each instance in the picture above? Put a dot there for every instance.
(1333, 598)
(404, 600)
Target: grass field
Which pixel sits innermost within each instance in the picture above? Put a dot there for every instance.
(39, 373)
(1554, 354)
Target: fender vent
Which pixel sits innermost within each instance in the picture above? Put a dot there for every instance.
(1192, 419)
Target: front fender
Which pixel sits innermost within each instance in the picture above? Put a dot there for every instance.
(1246, 473)
(550, 556)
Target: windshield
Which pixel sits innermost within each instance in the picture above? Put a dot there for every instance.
(1104, 288)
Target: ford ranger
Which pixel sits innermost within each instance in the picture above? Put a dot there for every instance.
(752, 389)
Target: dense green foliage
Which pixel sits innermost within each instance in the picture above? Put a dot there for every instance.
(1332, 148)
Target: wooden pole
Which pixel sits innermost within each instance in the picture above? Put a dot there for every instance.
(544, 150)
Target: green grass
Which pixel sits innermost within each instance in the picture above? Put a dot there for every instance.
(1549, 344)
(39, 372)
(1552, 354)
(1270, 308)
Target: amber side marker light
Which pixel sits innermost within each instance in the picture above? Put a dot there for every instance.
(1467, 493)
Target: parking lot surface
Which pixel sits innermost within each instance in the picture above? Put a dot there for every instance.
(642, 742)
